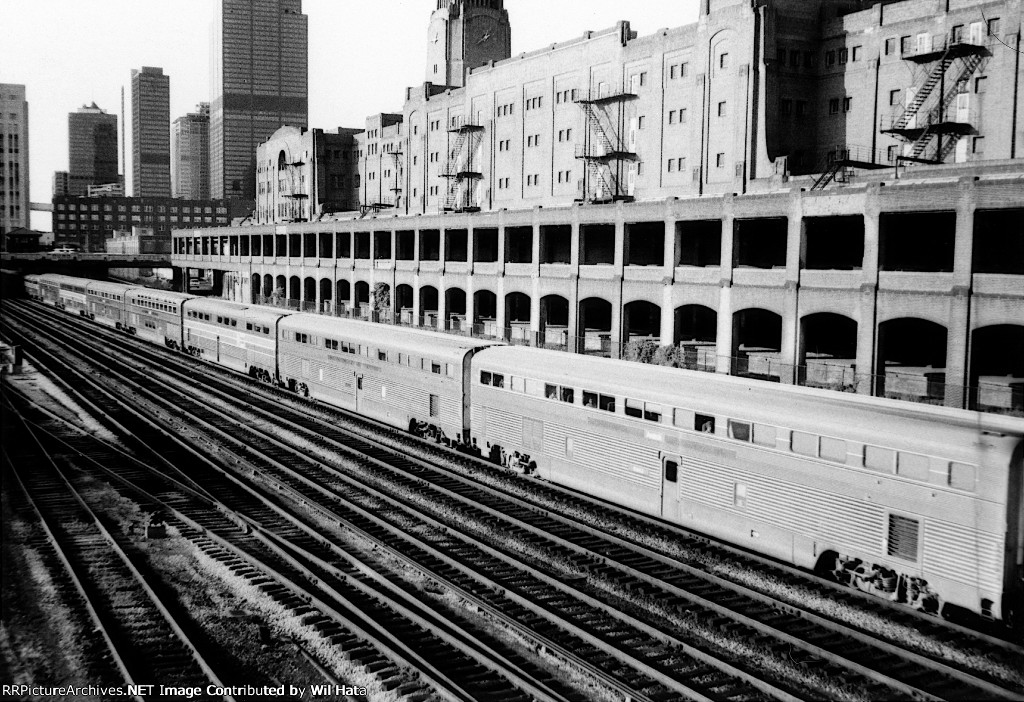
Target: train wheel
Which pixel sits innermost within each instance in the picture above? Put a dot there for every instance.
(495, 454)
(414, 427)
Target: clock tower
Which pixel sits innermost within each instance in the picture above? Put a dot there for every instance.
(465, 34)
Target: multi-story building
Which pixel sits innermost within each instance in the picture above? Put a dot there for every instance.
(151, 140)
(14, 190)
(190, 154)
(829, 193)
(302, 174)
(61, 183)
(260, 83)
(92, 149)
(88, 222)
(465, 35)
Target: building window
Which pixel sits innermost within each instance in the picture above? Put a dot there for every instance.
(896, 97)
(956, 35)
(794, 58)
(723, 60)
(978, 145)
(833, 106)
(847, 104)
(641, 119)
(720, 160)
(993, 26)
(830, 57)
(721, 109)
(892, 152)
(844, 55)
(856, 54)
(786, 107)
(980, 84)
(904, 45)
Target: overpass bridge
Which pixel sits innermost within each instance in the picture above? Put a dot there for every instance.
(86, 265)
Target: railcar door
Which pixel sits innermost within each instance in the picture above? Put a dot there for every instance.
(670, 487)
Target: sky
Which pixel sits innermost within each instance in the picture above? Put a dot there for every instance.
(362, 56)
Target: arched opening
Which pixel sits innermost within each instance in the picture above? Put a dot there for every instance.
(695, 331)
(757, 345)
(255, 289)
(455, 308)
(554, 321)
(309, 294)
(517, 318)
(828, 351)
(997, 369)
(326, 290)
(343, 296)
(594, 326)
(361, 302)
(428, 306)
(268, 285)
(485, 313)
(280, 289)
(380, 303)
(640, 320)
(404, 302)
(911, 360)
(294, 290)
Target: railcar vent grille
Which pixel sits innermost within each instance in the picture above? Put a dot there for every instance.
(435, 406)
(903, 537)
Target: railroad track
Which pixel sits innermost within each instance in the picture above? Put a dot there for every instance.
(145, 641)
(654, 574)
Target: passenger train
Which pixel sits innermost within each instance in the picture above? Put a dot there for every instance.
(916, 503)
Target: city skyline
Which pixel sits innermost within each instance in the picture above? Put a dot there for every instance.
(179, 42)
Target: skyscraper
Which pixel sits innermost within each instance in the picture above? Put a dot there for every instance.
(190, 154)
(92, 149)
(14, 195)
(260, 82)
(151, 139)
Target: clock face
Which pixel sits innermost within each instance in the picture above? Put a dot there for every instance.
(486, 29)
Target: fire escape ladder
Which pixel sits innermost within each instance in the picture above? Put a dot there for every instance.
(460, 171)
(606, 146)
(827, 175)
(914, 106)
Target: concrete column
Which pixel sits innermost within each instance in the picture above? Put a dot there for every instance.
(500, 316)
(442, 300)
(620, 241)
(470, 255)
(501, 247)
(535, 249)
(958, 335)
(535, 308)
(868, 321)
(470, 298)
(795, 242)
(668, 316)
(442, 238)
(724, 334)
(616, 331)
(669, 249)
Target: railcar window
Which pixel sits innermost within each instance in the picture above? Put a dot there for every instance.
(551, 391)
(566, 395)
(903, 537)
(804, 444)
(485, 378)
(589, 399)
(498, 380)
(606, 403)
(220, 320)
(671, 471)
(518, 384)
(739, 495)
(833, 449)
(331, 344)
(435, 368)
(382, 355)
(682, 418)
(449, 370)
(234, 322)
(704, 423)
(302, 338)
(961, 476)
(634, 408)
(764, 435)
(739, 430)
(912, 465)
(248, 326)
(877, 458)
(652, 412)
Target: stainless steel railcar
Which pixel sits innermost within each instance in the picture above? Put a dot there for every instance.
(242, 337)
(105, 302)
(31, 283)
(917, 503)
(64, 292)
(409, 378)
(155, 315)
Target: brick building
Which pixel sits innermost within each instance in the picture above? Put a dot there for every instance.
(829, 193)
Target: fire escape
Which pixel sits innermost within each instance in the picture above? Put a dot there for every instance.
(291, 190)
(460, 170)
(606, 148)
(927, 117)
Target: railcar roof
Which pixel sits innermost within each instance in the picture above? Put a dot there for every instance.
(208, 304)
(160, 294)
(107, 286)
(57, 279)
(420, 341)
(752, 399)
